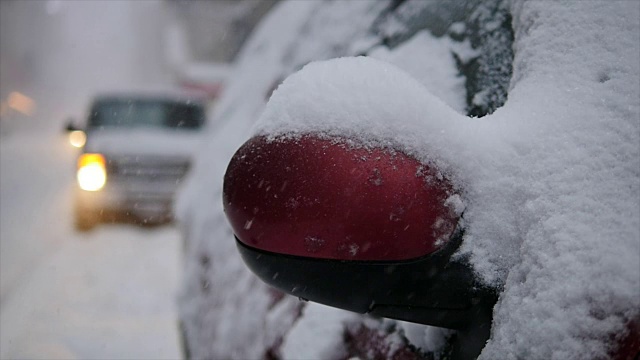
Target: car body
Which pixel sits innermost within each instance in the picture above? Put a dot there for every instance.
(506, 107)
(138, 148)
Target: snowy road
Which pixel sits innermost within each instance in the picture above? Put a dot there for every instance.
(107, 294)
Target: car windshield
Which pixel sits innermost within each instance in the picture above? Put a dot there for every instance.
(146, 113)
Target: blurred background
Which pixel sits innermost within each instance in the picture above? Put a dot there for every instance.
(110, 292)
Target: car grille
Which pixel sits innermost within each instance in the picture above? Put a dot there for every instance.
(147, 168)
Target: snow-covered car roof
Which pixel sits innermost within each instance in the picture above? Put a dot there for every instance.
(550, 180)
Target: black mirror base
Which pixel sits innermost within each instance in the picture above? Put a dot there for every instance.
(430, 290)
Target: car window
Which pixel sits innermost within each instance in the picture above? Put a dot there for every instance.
(145, 113)
(486, 25)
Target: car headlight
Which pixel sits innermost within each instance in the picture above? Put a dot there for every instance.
(92, 172)
(77, 138)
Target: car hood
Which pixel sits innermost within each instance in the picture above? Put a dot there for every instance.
(156, 142)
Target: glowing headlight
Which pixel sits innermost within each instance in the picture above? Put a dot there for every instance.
(77, 138)
(92, 172)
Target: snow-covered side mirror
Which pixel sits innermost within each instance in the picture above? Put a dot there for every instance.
(370, 230)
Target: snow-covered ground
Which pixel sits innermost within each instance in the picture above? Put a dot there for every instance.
(106, 294)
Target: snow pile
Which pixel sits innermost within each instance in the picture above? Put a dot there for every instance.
(108, 296)
(551, 180)
(430, 61)
(575, 98)
(429, 339)
(317, 334)
(360, 98)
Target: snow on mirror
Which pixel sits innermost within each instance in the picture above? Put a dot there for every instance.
(328, 205)
(372, 115)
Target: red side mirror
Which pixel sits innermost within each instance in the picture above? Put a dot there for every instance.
(362, 229)
(324, 199)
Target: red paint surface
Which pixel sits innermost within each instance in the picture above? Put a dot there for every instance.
(628, 345)
(323, 199)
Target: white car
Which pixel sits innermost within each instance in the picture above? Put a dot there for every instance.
(138, 148)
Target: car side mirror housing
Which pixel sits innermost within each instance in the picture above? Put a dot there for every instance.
(365, 229)
(70, 125)
(77, 135)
